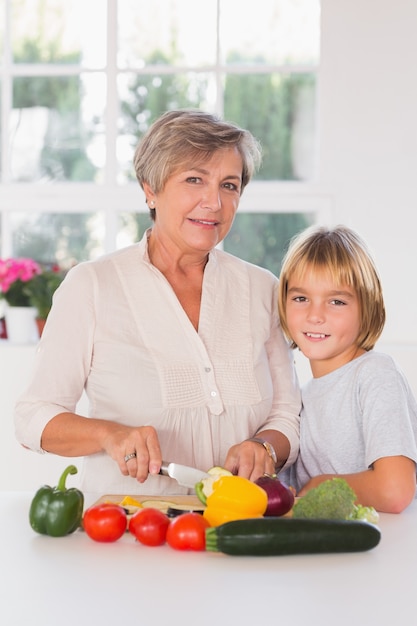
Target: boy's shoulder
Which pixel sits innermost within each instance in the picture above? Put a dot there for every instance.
(380, 366)
(371, 364)
(373, 358)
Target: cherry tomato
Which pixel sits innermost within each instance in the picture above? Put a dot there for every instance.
(149, 526)
(105, 522)
(187, 532)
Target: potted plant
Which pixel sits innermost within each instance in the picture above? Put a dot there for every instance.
(16, 276)
(42, 288)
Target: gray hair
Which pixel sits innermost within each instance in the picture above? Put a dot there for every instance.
(181, 136)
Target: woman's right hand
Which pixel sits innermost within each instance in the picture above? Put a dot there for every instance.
(136, 450)
(69, 434)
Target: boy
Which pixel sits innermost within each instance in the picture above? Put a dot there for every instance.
(359, 416)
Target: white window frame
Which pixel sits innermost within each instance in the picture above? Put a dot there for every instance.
(109, 198)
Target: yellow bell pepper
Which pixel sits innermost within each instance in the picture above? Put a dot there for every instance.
(130, 501)
(234, 497)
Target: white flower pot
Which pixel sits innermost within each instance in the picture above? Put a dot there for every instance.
(20, 324)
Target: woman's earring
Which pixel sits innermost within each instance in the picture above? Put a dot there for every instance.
(152, 202)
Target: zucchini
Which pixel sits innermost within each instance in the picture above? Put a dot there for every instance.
(275, 536)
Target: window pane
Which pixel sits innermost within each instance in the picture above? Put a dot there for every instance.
(59, 31)
(146, 97)
(280, 111)
(132, 227)
(180, 31)
(275, 32)
(263, 238)
(57, 128)
(57, 237)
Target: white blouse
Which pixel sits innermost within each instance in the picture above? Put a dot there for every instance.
(118, 331)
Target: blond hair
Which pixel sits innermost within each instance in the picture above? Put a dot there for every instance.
(342, 253)
(187, 136)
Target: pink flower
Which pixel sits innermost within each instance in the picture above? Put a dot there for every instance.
(12, 270)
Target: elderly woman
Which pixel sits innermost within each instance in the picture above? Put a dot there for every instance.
(176, 343)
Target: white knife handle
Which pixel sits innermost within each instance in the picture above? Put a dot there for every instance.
(164, 469)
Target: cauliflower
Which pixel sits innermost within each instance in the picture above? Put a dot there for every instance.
(365, 513)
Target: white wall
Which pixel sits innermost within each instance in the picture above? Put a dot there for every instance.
(368, 167)
(368, 151)
(23, 469)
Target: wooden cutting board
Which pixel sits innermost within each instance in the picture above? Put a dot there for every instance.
(191, 503)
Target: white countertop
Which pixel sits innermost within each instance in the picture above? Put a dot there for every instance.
(74, 580)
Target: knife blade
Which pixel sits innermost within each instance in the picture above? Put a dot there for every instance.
(184, 475)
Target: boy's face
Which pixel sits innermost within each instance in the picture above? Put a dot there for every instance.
(323, 319)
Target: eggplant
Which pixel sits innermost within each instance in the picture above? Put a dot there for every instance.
(174, 511)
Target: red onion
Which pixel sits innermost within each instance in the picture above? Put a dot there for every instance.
(280, 497)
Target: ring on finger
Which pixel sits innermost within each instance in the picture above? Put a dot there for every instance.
(132, 455)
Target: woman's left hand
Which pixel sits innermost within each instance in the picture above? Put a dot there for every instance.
(250, 460)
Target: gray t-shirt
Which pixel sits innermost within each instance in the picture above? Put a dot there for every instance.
(353, 416)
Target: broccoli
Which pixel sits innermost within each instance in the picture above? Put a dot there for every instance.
(333, 499)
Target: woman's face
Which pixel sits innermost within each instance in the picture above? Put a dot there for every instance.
(196, 208)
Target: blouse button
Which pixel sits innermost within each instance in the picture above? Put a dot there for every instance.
(213, 394)
(207, 369)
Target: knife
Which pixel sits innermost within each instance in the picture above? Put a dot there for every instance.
(186, 476)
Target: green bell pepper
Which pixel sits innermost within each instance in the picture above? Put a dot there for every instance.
(57, 511)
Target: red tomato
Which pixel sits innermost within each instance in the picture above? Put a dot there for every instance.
(105, 522)
(149, 526)
(187, 532)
